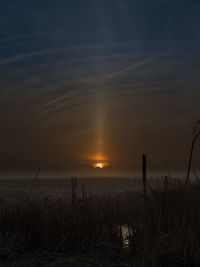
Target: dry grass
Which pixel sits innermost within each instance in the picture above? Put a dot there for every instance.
(89, 231)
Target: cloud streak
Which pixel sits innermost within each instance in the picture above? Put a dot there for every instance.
(22, 56)
(107, 78)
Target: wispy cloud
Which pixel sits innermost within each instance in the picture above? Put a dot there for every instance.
(23, 56)
(106, 78)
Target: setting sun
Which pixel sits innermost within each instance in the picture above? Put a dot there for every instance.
(99, 165)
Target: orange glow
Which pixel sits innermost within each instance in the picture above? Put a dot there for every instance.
(99, 158)
(99, 165)
(99, 161)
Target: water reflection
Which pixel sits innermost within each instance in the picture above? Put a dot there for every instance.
(126, 233)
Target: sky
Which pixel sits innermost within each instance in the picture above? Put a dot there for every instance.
(83, 82)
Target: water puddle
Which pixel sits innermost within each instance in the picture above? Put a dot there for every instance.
(126, 232)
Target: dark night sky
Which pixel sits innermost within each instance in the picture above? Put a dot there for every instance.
(86, 79)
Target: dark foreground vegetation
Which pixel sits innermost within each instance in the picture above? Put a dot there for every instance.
(103, 230)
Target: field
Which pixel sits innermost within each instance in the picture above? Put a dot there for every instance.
(85, 228)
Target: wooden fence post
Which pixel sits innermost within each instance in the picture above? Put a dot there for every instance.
(144, 160)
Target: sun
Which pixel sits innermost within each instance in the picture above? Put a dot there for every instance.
(99, 165)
